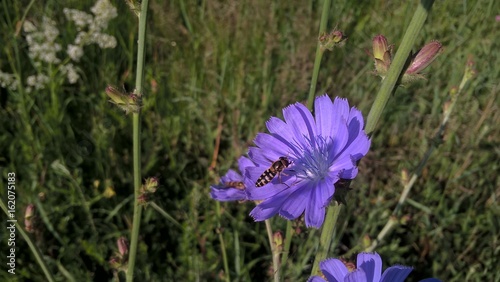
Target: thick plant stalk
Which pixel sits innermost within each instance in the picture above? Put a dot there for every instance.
(397, 64)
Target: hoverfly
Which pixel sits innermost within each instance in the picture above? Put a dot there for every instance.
(235, 184)
(276, 169)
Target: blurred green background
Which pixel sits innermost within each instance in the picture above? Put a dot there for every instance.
(221, 69)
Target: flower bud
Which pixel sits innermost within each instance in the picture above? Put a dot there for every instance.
(404, 219)
(332, 39)
(405, 177)
(135, 6)
(348, 264)
(114, 262)
(453, 92)
(127, 102)
(29, 218)
(424, 57)
(42, 196)
(337, 36)
(278, 240)
(150, 185)
(143, 199)
(122, 244)
(367, 241)
(382, 54)
(380, 47)
(470, 71)
(109, 192)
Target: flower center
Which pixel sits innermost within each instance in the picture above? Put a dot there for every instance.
(315, 162)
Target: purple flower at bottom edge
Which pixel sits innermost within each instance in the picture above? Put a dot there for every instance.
(232, 184)
(368, 269)
(321, 150)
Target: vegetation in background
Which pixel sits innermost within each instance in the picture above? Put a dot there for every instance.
(217, 70)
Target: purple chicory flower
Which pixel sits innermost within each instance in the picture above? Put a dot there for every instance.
(232, 185)
(321, 150)
(368, 269)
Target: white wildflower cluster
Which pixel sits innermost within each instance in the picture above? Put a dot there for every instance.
(80, 18)
(36, 82)
(104, 12)
(41, 41)
(90, 28)
(74, 52)
(8, 80)
(70, 71)
(43, 49)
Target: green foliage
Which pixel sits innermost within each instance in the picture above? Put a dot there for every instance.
(232, 65)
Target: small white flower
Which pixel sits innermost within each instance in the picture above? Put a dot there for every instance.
(8, 80)
(37, 81)
(74, 52)
(50, 31)
(31, 80)
(104, 40)
(29, 26)
(41, 42)
(71, 73)
(80, 18)
(104, 11)
(91, 27)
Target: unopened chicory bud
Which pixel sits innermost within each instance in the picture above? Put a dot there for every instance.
(424, 57)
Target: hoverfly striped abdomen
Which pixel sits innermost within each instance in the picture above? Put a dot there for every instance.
(276, 168)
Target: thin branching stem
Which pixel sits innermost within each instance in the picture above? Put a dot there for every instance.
(329, 228)
(222, 242)
(319, 54)
(166, 215)
(333, 211)
(136, 118)
(274, 250)
(286, 247)
(36, 252)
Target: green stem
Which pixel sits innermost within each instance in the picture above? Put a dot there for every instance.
(137, 141)
(286, 247)
(394, 218)
(31, 245)
(327, 232)
(275, 253)
(397, 64)
(166, 215)
(222, 244)
(319, 54)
